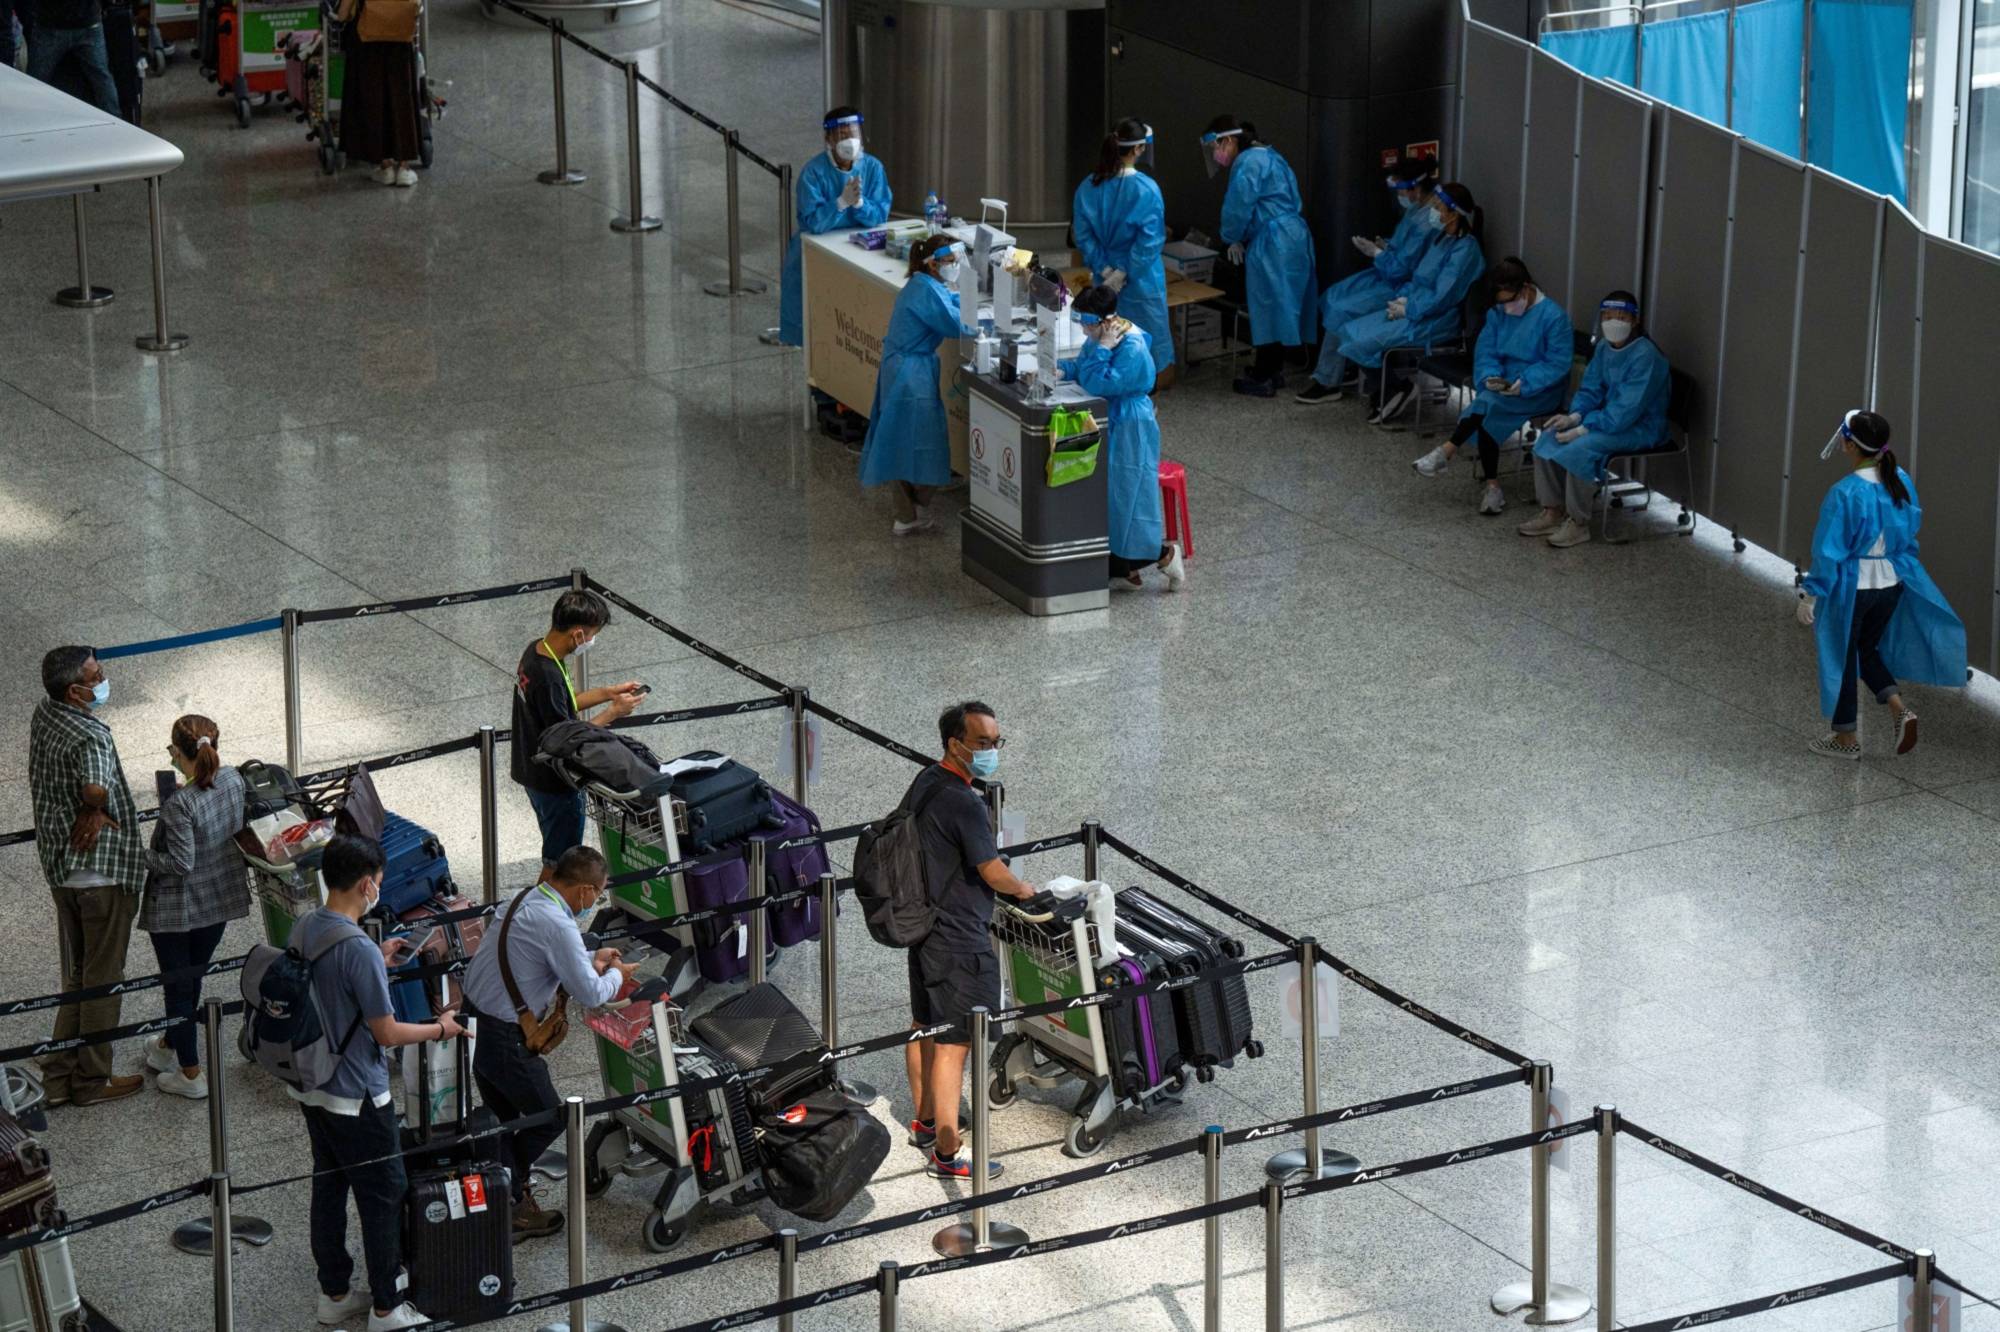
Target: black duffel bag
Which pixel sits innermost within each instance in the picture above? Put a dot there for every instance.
(818, 1153)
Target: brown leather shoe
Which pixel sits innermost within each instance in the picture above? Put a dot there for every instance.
(111, 1089)
(532, 1221)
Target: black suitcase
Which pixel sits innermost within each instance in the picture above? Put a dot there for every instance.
(1141, 1038)
(722, 1134)
(723, 803)
(761, 1027)
(458, 1217)
(1220, 1016)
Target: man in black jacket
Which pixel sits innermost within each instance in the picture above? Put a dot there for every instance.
(65, 28)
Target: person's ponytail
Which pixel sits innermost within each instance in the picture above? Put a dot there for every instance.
(1892, 477)
(196, 738)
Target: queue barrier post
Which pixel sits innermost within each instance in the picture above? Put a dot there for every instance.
(784, 214)
(635, 219)
(1547, 1302)
(996, 801)
(288, 636)
(801, 747)
(758, 923)
(575, 1227)
(854, 1089)
(162, 339)
(1274, 1256)
(489, 818)
(197, 1236)
(735, 284)
(562, 175)
(962, 1239)
(885, 1320)
(1923, 1316)
(83, 296)
(1607, 1217)
(788, 1272)
(1092, 830)
(1211, 1229)
(1314, 1162)
(579, 581)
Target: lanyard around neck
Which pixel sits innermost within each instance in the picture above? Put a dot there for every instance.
(565, 672)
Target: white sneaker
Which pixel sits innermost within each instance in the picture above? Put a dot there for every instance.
(1433, 463)
(333, 1312)
(405, 177)
(1571, 533)
(1493, 501)
(1175, 567)
(384, 175)
(403, 1315)
(160, 1059)
(173, 1084)
(903, 529)
(1541, 524)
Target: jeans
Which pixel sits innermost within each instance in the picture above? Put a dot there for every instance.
(1874, 607)
(512, 1084)
(1331, 367)
(93, 929)
(340, 1146)
(560, 814)
(176, 949)
(52, 46)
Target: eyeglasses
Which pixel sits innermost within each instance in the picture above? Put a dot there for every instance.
(997, 742)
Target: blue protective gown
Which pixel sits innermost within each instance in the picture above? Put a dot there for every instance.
(1925, 641)
(1123, 376)
(1534, 347)
(1121, 224)
(1261, 212)
(817, 192)
(1623, 403)
(1369, 290)
(1436, 296)
(907, 435)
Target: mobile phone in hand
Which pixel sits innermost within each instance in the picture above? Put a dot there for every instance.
(644, 690)
(165, 782)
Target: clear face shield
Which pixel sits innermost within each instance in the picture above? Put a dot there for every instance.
(1213, 140)
(1842, 435)
(1144, 145)
(1409, 193)
(1617, 321)
(844, 140)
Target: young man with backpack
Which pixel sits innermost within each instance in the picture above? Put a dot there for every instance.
(344, 1091)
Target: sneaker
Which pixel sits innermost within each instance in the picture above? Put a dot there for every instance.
(1541, 524)
(903, 529)
(1571, 533)
(111, 1089)
(958, 1167)
(923, 1134)
(1393, 405)
(1826, 745)
(1130, 582)
(1906, 731)
(384, 175)
(174, 1084)
(1433, 463)
(403, 1315)
(1492, 502)
(333, 1312)
(1174, 567)
(160, 1059)
(1253, 387)
(1314, 391)
(532, 1220)
(405, 177)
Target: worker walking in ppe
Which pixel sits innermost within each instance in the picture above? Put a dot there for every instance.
(1876, 613)
(1391, 263)
(1264, 224)
(1116, 365)
(1120, 222)
(907, 439)
(840, 188)
(1621, 407)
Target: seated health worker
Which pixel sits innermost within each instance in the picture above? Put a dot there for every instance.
(1876, 613)
(1120, 223)
(1521, 367)
(907, 441)
(1391, 263)
(840, 188)
(1116, 365)
(1265, 226)
(1621, 406)
(1428, 309)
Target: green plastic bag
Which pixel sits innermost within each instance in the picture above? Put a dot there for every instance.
(1076, 462)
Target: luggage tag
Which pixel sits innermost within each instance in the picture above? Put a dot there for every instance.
(475, 1193)
(742, 940)
(454, 1198)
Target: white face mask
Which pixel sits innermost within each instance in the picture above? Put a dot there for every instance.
(949, 273)
(1617, 332)
(847, 150)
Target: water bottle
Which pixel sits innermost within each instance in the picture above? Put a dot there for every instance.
(935, 213)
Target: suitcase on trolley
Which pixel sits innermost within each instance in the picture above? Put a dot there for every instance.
(1217, 1015)
(722, 1134)
(416, 868)
(1141, 1038)
(27, 1188)
(452, 941)
(758, 1028)
(792, 869)
(724, 803)
(722, 945)
(38, 1290)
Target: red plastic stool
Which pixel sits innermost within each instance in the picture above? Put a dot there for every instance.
(1173, 498)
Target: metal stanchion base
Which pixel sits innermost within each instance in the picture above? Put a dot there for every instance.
(562, 177)
(1566, 1303)
(961, 1241)
(857, 1091)
(553, 1165)
(1291, 1165)
(593, 1325)
(721, 287)
(149, 342)
(198, 1236)
(77, 299)
(626, 224)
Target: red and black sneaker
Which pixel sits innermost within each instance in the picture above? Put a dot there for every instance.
(923, 1134)
(958, 1167)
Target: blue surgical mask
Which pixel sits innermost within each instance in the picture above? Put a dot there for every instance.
(100, 694)
(1405, 202)
(1431, 221)
(584, 646)
(985, 762)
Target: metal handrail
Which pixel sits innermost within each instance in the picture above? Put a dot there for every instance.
(1631, 7)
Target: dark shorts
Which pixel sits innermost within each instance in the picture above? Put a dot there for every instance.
(947, 986)
(560, 815)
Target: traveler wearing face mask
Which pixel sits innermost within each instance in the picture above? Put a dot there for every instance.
(538, 958)
(1521, 367)
(1115, 365)
(954, 969)
(87, 837)
(1120, 223)
(545, 693)
(840, 188)
(1264, 223)
(908, 443)
(351, 1117)
(1873, 609)
(1621, 406)
(1391, 263)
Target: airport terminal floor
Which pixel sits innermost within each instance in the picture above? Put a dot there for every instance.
(1563, 797)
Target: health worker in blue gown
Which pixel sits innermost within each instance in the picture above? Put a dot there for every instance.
(1391, 263)
(841, 188)
(1876, 613)
(1620, 408)
(1520, 366)
(908, 444)
(1120, 222)
(1265, 226)
(1116, 364)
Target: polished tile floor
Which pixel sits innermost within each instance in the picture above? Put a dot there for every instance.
(1563, 798)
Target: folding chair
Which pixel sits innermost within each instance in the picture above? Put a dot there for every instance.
(1616, 489)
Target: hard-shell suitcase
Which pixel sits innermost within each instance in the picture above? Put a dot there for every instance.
(724, 803)
(458, 1240)
(452, 941)
(722, 1134)
(722, 945)
(1177, 922)
(1142, 1039)
(761, 1027)
(38, 1290)
(1197, 1023)
(416, 869)
(791, 869)
(1218, 1013)
(27, 1189)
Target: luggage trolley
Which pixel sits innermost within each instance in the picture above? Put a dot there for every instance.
(643, 833)
(284, 892)
(1051, 956)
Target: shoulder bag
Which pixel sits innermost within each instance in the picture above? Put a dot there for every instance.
(540, 1034)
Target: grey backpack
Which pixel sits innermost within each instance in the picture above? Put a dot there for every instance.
(889, 878)
(284, 1030)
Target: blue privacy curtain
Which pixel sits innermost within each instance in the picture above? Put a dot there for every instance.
(1768, 34)
(1860, 91)
(1686, 61)
(1602, 53)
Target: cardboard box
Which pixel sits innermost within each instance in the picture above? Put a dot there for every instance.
(1195, 262)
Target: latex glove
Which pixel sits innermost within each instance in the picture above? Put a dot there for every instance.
(1807, 611)
(1565, 421)
(1574, 432)
(1494, 384)
(1397, 308)
(1366, 246)
(1236, 253)
(850, 195)
(1114, 278)
(1111, 339)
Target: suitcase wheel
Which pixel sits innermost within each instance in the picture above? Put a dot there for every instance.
(243, 112)
(659, 1235)
(1079, 1141)
(1255, 1049)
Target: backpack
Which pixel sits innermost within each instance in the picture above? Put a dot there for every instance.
(889, 879)
(284, 1030)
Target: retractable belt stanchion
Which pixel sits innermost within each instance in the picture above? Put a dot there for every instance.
(760, 926)
(996, 800)
(579, 581)
(784, 213)
(1923, 1318)
(1274, 1257)
(288, 636)
(562, 175)
(1091, 829)
(982, 1233)
(1547, 1302)
(829, 988)
(574, 1228)
(735, 284)
(83, 296)
(1313, 1162)
(801, 747)
(1211, 1229)
(886, 1320)
(788, 1272)
(1607, 1217)
(161, 339)
(489, 819)
(635, 218)
(198, 1236)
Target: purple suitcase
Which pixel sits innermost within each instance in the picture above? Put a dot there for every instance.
(792, 869)
(721, 946)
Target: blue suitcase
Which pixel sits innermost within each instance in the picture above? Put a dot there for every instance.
(416, 870)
